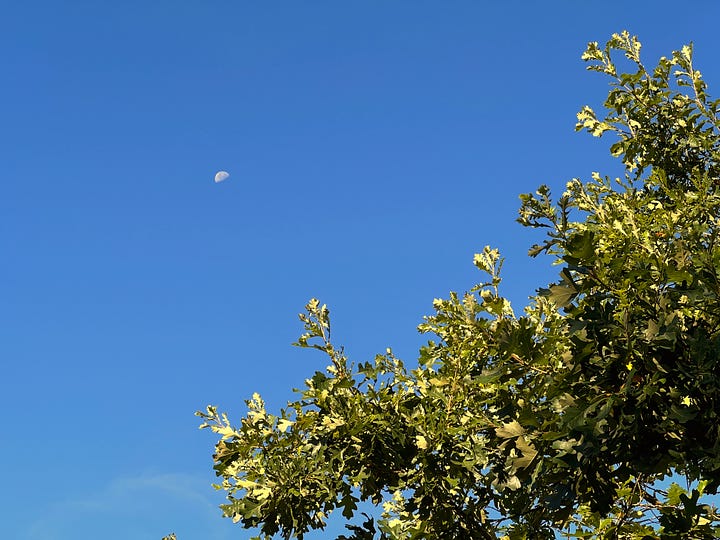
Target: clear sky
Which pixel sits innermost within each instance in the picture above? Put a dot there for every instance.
(373, 148)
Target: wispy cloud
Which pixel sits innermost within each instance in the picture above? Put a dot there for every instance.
(142, 507)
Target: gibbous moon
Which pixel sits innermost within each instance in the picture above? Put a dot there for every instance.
(220, 176)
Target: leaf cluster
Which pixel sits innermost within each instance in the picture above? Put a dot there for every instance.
(562, 420)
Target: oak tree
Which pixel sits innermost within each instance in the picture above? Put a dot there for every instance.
(580, 417)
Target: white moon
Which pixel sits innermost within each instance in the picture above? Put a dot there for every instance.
(220, 176)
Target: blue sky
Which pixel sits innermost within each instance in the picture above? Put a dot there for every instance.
(373, 148)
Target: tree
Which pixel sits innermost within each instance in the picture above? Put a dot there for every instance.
(562, 420)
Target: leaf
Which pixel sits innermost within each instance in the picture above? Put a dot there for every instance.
(512, 483)
(561, 295)
(565, 446)
(652, 329)
(581, 246)
(528, 453)
(510, 430)
(421, 442)
(283, 424)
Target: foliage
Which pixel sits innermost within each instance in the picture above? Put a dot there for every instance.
(562, 420)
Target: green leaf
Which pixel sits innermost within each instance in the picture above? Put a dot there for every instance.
(561, 295)
(509, 430)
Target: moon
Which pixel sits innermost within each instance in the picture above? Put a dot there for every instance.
(221, 175)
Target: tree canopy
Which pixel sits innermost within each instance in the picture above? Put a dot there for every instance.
(580, 417)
